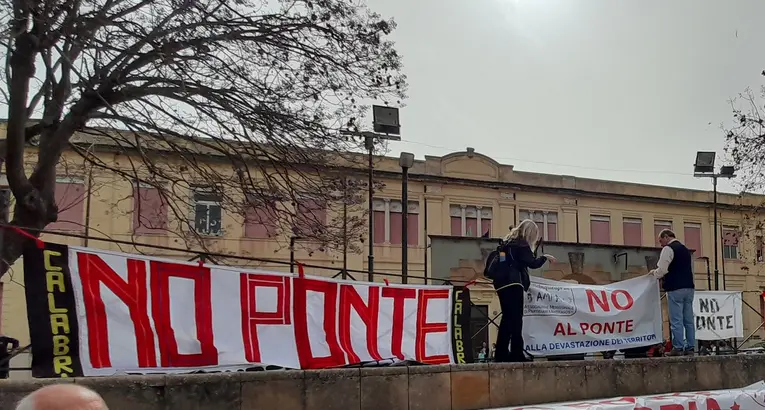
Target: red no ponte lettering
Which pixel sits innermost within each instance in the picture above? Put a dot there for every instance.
(620, 299)
(711, 404)
(423, 327)
(133, 292)
(251, 317)
(305, 356)
(337, 325)
(399, 296)
(368, 312)
(161, 272)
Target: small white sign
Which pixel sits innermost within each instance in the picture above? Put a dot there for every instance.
(717, 315)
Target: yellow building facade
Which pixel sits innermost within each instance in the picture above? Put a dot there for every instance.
(462, 194)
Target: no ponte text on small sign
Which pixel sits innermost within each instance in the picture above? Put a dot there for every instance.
(717, 315)
(563, 318)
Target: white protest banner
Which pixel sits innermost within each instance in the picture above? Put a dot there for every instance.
(563, 318)
(718, 315)
(94, 312)
(747, 398)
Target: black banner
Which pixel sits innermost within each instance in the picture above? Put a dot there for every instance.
(462, 345)
(52, 312)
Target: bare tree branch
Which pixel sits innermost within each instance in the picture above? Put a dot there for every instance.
(745, 145)
(245, 98)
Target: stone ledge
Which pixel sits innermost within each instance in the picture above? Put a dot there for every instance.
(449, 387)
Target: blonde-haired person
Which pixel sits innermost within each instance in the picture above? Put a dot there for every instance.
(512, 281)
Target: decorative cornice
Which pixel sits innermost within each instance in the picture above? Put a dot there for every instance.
(560, 191)
(569, 182)
(432, 197)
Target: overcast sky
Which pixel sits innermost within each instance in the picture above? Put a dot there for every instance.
(626, 90)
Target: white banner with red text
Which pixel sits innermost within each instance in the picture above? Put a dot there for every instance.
(746, 398)
(562, 318)
(94, 312)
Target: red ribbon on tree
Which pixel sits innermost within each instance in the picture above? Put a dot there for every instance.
(39, 242)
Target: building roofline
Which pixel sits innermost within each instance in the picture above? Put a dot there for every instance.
(560, 243)
(498, 185)
(725, 200)
(573, 192)
(596, 180)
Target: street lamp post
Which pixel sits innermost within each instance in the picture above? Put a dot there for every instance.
(406, 160)
(709, 273)
(342, 195)
(369, 142)
(386, 127)
(705, 168)
(293, 239)
(345, 228)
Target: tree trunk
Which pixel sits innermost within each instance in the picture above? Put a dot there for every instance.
(5, 204)
(35, 206)
(11, 251)
(30, 212)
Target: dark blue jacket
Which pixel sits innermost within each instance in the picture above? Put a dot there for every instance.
(680, 275)
(521, 258)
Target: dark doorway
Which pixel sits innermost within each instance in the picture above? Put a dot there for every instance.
(479, 331)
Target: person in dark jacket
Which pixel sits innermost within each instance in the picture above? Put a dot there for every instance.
(676, 267)
(518, 254)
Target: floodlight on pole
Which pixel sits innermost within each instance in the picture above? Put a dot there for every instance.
(727, 171)
(386, 125)
(385, 120)
(705, 162)
(705, 168)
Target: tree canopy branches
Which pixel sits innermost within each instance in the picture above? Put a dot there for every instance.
(745, 139)
(266, 85)
(745, 145)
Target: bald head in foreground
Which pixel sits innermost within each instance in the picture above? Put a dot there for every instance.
(62, 397)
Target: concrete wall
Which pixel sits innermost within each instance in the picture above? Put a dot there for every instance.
(479, 386)
(463, 259)
(458, 258)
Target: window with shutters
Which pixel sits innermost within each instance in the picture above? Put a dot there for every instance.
(600, 229)
(469, 220)
(207, 212)
(310, 218)
(546, 221)
(149, 209)
(658, 226)
(730, 236)
(692, 234)
(758, 246)
(388, 218)
(633, 231)
(70, 199)
(261, 219)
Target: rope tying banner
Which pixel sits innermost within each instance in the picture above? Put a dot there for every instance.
(38, 242)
